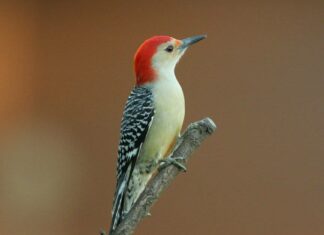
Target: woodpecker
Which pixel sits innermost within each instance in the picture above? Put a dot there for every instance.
(152, 119)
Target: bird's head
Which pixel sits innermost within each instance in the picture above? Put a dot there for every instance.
(159, 55)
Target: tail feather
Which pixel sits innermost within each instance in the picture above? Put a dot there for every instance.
(117, 210)
(118, 205)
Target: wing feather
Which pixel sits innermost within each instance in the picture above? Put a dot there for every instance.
(137, 119)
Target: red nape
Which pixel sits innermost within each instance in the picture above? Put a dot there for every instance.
(143, 57)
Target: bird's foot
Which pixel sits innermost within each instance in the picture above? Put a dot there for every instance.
(176, 161)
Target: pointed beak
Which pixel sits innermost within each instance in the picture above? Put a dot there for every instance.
(191, 40)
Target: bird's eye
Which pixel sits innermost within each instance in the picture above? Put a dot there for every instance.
(169, 49)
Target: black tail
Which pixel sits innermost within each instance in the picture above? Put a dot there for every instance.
(121, 189)
(118, 205)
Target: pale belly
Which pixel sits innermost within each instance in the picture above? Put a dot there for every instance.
(166, 125)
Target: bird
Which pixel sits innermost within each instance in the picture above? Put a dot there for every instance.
(152, 119)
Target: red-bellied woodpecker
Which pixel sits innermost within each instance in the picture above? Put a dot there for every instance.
(152, 119)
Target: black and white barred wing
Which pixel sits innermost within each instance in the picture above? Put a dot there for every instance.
(137, 119)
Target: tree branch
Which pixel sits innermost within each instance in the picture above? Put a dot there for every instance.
(187, 143)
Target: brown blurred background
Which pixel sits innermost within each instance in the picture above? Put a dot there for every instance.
(66, 71)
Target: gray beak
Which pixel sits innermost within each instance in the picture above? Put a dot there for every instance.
(191, 40)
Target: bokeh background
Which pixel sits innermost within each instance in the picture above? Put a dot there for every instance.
(66, 71)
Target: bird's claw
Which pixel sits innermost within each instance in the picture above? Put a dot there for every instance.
(174, 161)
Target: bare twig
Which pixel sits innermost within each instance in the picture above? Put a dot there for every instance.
(187, 143)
